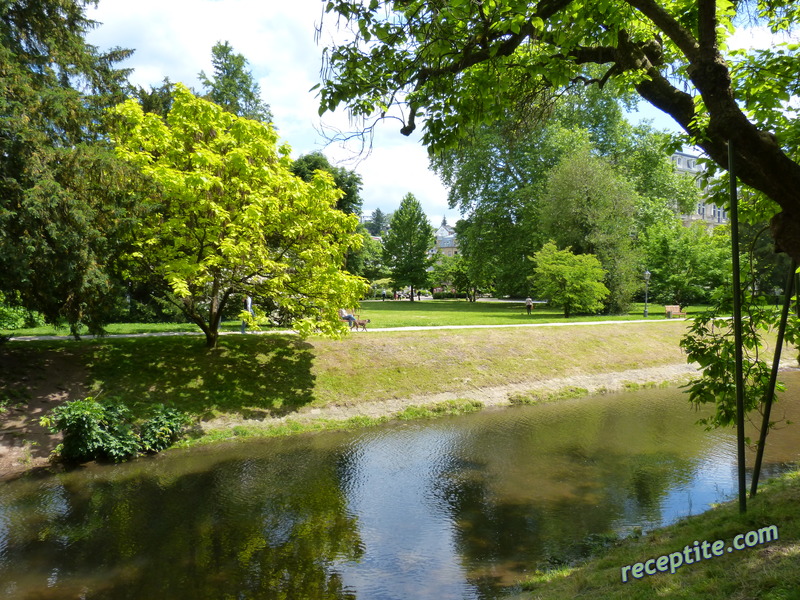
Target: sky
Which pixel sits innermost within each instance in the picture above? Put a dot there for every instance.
(173, 38)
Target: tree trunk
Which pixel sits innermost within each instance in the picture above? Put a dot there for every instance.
(212, 336)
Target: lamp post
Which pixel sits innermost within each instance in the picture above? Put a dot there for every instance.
(646, 285)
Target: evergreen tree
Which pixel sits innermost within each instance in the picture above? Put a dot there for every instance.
(379, 223)
(406, 245)
(232, 86)
(64, 207)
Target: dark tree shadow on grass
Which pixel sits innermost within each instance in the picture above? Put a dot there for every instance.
(254, 376)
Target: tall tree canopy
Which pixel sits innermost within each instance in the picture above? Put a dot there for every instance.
(347, 181)
(459, 61)
(63, 208)
(406, 245)
(589, 207)
(232, 86)
(231, 219)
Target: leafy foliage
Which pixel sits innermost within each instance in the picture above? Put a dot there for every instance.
(686, 263)
(349, 182)
(455, 64)
(710, 343)
(230, 218)
(572, 281)
(106, 430)
(587, 206)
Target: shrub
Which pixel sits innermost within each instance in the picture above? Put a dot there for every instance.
(162, 429)
(107, 431)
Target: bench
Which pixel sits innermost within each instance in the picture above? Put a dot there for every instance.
(350, 323)
(674, 311)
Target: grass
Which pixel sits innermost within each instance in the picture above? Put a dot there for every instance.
(766, 572)
(429, 313)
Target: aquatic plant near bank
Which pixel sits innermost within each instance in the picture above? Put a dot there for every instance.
(108, 431)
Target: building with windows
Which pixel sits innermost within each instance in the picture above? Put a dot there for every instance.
(446, 243)
(708, 212)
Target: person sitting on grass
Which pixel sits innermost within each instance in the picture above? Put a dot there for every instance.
(345, 316)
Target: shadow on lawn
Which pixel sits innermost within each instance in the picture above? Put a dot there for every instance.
(255, 376)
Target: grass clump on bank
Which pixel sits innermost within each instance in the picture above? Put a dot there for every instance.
(538, 397)
(766, 572)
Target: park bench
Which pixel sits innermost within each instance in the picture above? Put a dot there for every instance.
(674, 311)
(341, 317)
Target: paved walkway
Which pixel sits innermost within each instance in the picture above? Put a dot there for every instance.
(31, 338)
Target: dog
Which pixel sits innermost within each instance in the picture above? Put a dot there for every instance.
(362, 323)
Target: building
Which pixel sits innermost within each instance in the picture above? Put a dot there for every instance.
(446, 243)
(709, 212)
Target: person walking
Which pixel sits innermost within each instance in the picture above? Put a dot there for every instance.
(528, 304)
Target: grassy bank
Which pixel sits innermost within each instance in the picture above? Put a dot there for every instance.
(765, 571)
(255, 377)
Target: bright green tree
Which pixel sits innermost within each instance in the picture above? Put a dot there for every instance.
(232, 85)
(232, 220)
(573, 282)
(406, 246)
(64, 207)
(686, 263)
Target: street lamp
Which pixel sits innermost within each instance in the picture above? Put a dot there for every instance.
(646, 284)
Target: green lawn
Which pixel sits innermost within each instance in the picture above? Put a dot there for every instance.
(402, 313)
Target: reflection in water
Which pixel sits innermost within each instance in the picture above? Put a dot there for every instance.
(453, 508)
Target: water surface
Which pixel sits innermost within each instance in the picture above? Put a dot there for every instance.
(455, 508)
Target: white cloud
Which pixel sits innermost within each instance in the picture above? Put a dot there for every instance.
(174, 39)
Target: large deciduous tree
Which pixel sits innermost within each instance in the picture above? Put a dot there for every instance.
(406, 245)
(459, 61)
(346, 180)
(231, 219)
(588, 206)
(63, 208)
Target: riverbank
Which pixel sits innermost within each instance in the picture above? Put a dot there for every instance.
(756, 556)
(263, 385)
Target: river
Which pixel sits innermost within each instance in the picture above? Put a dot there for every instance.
(459, 507)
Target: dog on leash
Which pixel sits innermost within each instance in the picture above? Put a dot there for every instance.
(360, 323)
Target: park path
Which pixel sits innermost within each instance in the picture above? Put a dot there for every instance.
(30, 338)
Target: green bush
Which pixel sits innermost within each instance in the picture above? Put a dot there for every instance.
(162, 429)
(107, 431)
